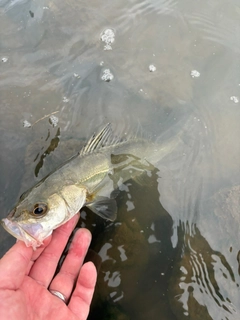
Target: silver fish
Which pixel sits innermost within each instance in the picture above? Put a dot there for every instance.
(88, 179)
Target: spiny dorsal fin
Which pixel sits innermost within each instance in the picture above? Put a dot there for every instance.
(103, 138)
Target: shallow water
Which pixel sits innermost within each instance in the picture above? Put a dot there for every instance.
(177, 258)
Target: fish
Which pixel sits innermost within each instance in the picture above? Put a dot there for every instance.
(90, 179)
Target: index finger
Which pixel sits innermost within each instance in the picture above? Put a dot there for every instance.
(38, 252)
(45, 266)
(13, 266)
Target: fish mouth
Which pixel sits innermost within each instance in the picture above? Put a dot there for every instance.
(18, 232)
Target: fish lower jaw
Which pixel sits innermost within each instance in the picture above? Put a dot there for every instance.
(18, 232)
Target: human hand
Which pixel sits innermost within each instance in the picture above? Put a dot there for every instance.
(26, 276)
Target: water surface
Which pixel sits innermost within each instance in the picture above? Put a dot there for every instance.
(173, 252)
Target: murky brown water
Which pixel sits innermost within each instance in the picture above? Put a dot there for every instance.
(173, 252)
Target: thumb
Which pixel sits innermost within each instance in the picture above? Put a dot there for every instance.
(13, 266)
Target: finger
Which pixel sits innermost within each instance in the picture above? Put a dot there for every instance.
(38, 252)
(44, 268)
(65, 279)
(82, 295)
(40, 249)
(13, 266)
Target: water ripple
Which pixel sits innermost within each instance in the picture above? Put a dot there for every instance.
(217, 28)
(206, 280)
(141, 9)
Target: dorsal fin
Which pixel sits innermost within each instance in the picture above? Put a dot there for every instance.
(103, 138)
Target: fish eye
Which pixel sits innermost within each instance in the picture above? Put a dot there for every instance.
(39, 209)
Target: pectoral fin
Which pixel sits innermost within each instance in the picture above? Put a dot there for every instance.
(104, 207)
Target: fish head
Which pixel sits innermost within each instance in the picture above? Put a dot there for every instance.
(41, 210)
(34, 218)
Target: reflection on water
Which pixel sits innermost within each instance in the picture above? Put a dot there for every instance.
(174, 71)
(137, 255)
(205, 282)
(53, 145)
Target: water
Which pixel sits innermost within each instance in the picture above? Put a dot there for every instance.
(177, 258)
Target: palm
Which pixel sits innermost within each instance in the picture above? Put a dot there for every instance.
(37, 300)
(31, 298)
(25, 277)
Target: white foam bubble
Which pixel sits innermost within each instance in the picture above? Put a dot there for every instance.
(195, 74)
(152, 68)
(107, 75)
(234, 99)
(26, 124)
(53, 120)
(108, 36)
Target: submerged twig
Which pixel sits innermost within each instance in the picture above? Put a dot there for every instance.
(46, 116)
